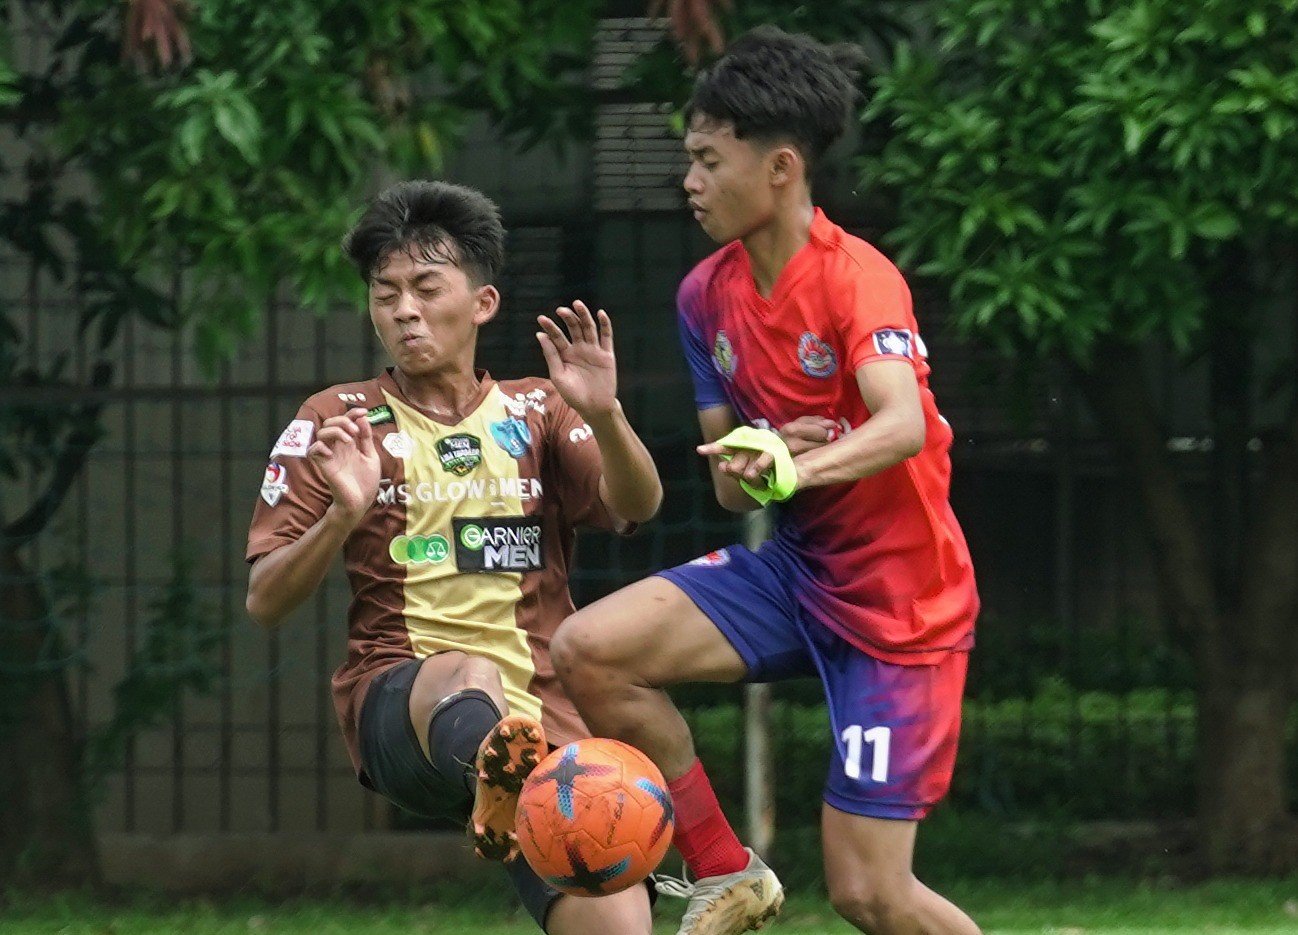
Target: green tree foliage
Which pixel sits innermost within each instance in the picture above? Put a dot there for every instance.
(242, 167)
(1095, 180)
(875, 25)
(185, 199)
(1073, 167)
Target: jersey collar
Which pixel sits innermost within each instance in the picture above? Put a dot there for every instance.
(485, 384)
(823, 231)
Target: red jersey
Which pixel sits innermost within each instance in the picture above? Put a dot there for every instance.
(882, 560)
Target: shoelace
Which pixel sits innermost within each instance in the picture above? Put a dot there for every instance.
(681, 887)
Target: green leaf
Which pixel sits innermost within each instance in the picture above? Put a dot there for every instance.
(193, 137)
(1215, 223)
(237, 122)
(1132, 135)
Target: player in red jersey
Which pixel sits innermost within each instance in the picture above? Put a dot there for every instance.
(867, 582)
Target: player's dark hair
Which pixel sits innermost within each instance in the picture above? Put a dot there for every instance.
(775, 86)
(439, 220)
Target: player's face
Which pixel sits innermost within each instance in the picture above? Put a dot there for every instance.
(728, 181)
(427, 311)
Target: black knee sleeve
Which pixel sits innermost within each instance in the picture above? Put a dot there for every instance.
(455, 730)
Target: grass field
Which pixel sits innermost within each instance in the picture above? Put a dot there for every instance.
(1094, 908)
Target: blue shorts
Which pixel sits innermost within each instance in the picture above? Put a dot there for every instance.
(895, 727)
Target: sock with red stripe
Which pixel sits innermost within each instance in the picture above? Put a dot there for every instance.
(703, 836)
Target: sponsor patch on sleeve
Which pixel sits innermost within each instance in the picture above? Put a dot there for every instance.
(895, 342)
(295, 440)
(275, 484)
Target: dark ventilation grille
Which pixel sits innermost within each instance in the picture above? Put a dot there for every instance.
(532, 284)
(533, 278)
(638, 158)
(618, 43)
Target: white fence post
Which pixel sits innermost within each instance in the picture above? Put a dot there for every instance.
(759, 776)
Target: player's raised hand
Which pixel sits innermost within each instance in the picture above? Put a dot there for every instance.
(582, 365)
(344, 451)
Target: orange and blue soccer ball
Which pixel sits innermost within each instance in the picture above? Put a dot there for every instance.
(594, 818)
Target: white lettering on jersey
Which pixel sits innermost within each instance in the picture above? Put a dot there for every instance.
(519, 405)
(580, 434)
(496, 488)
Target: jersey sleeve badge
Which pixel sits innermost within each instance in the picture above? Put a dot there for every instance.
(295, 439)
(275, 484)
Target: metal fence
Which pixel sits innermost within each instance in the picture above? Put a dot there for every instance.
(1061, 565)
(156, 523)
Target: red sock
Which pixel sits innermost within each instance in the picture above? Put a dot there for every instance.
(703, 836)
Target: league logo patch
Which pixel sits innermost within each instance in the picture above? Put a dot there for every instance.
(295, 439)
(379, 415)
(399, 445)
(459, 454)
(818, 358)
(723, 356)
(894, 341)
(275, 484)
(713, 559)
(513, 436)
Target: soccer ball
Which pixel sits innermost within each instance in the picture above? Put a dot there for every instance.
(594, 818)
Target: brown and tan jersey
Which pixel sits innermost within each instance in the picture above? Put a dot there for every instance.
(468, 543)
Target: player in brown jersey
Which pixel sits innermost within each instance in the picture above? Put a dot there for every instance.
(454, 499)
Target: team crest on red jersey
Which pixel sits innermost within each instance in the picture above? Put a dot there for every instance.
(723, 355)
(818, 358)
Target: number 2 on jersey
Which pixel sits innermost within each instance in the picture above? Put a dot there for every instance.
(879, 739)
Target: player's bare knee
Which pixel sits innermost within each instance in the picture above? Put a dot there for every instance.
(577, 647)
(873, 909)
(860, 910)
(447, 674)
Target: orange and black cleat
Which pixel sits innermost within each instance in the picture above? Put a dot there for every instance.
(506, 756)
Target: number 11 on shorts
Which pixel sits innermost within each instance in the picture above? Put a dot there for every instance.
(879, 739)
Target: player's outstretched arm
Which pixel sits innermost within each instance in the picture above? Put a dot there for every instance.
(583, 368)
(282, 579)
